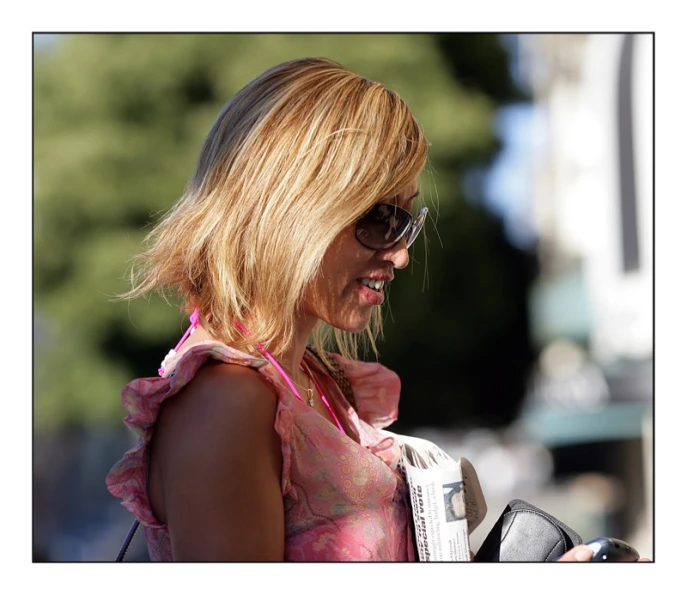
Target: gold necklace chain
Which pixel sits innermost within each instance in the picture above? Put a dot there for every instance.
(310, 399)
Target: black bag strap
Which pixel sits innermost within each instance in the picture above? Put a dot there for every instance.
(127, 541)
(335, 371)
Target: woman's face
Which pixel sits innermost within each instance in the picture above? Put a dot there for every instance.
(340, 295)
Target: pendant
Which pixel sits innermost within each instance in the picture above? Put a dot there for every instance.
(310, 400)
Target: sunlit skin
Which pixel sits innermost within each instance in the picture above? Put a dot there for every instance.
(335, 297)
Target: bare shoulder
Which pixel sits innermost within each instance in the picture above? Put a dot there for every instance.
(218, 394)
(226, 409)
(201, 439)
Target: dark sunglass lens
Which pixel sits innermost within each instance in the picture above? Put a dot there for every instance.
(382, 226)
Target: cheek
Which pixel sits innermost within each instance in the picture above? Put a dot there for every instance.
(342, 263)
(343, 258)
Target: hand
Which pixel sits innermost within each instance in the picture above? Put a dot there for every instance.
(583, 553)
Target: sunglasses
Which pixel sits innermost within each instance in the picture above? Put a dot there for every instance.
(385, 225)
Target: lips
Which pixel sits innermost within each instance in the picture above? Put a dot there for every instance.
(370, 296)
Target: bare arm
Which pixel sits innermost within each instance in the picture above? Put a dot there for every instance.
(215, 472)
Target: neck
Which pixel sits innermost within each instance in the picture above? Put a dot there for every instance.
(291, 358)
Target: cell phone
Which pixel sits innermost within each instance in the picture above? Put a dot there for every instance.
(609, 549)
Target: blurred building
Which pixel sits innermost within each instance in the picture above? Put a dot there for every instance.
(591, 398)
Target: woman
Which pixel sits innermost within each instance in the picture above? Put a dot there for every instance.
(296, 218)
(294, 223)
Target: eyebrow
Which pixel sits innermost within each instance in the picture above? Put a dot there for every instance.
(408, 200)
(397, 199)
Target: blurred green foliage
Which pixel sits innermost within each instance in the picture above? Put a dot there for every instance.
(118, 124)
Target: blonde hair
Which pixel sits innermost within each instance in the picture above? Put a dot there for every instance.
(292, 159)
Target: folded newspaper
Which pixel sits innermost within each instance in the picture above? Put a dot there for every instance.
(446, 498)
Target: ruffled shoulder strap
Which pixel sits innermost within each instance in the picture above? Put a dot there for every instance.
(142, 397)
(376, 390)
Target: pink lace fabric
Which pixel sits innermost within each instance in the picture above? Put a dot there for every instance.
(344, 496)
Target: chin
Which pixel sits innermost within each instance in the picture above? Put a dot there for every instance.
(355, 323)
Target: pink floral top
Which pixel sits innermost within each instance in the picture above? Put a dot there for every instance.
(344, 497)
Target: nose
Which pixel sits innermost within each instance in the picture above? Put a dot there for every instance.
(398, 255)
